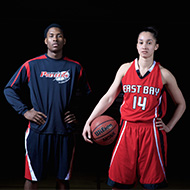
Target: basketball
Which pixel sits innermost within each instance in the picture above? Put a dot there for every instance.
(104, 130)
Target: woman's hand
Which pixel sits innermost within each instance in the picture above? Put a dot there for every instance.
(87, 133)
(161, 125)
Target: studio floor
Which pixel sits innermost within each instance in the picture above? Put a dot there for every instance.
(81, 181)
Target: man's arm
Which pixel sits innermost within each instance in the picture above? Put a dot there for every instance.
(14, 87)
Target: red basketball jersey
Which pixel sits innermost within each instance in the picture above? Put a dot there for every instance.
(144, 97)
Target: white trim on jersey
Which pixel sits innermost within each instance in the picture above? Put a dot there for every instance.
(33, 176)
(116, 147)
(155, 135)
(71, 165)
(149, 70)
(156, 108)
(157, 147)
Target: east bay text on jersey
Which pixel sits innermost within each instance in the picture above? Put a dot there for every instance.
(140, 89)
(144, 96)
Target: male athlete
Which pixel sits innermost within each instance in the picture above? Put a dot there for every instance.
(53, 80)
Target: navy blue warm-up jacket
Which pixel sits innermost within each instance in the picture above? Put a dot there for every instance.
(52, 84)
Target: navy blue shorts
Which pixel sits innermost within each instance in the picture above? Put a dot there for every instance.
(48, 151)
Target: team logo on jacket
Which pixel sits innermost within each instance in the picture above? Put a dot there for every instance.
(60, 77)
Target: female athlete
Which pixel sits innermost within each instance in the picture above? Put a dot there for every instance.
(141, 149)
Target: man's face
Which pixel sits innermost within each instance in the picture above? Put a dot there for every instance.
(55, 39)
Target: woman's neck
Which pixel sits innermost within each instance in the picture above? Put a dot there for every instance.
(145, 63)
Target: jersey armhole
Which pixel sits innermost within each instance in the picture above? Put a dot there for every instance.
(128, 68)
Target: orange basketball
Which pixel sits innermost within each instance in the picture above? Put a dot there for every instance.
(104, 130)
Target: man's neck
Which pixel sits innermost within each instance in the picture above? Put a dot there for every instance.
(55, 55)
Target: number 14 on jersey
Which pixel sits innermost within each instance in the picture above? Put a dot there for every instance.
(139, 101)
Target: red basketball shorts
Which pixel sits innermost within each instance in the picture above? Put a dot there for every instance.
(139, 154)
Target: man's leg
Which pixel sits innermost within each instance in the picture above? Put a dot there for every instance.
(36, 158)
(29, 185)
(64, 159)
(62, 184)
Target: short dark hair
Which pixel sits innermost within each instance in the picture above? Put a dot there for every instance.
(52, 26)
(153, 31)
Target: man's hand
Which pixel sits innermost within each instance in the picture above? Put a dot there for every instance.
(69, 117)
(35, 116)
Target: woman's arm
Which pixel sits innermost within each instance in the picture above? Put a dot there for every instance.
(177, 97)
(106, 101)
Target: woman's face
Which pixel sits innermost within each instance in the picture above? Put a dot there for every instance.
(146, 44)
